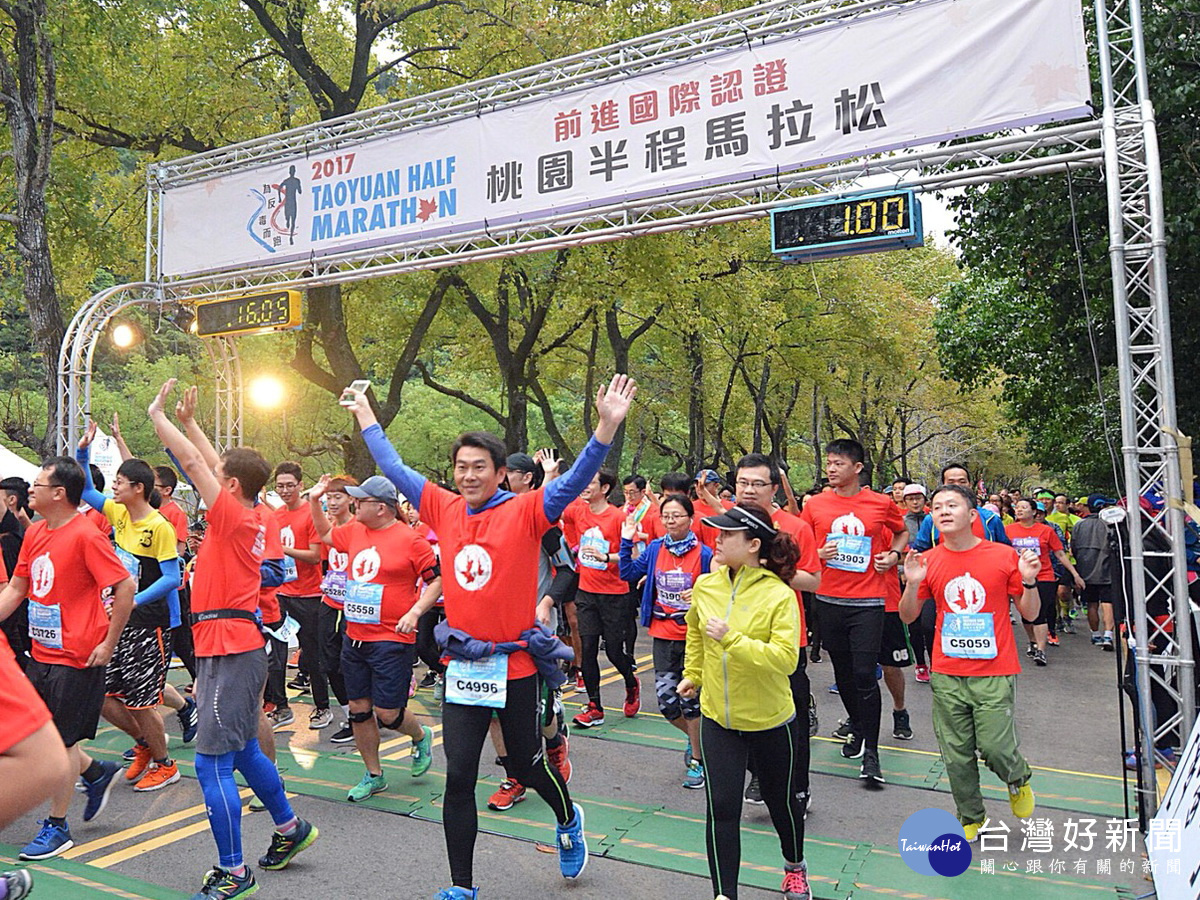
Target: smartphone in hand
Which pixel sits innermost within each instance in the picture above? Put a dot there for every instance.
(347, 398)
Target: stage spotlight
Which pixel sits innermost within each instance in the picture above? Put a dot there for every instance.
(125, 335)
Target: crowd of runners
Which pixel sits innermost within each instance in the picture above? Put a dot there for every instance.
(504, 590)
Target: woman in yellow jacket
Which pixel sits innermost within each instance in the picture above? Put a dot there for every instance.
(743, 641)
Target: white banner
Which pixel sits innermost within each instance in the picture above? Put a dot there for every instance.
(1173, 839)
(933, 71)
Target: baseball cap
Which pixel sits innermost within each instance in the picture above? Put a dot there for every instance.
(375, 488)
(1095, 501)
(708, 476)
(522, 462)
(737, 518)
(914, 489)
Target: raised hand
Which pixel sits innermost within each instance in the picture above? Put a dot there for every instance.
(318, 490)
(612, 405)
(89, 435)
(914, 567)
(116, 426)
(1030, 564)
(185, 409)
(159, 405)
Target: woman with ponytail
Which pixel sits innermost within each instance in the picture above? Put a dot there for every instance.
(742, 644)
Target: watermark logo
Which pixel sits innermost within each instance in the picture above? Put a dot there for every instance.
(932, 842)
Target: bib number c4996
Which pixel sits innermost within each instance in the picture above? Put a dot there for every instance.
(478, 682)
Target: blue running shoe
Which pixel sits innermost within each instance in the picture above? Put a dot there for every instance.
(128, 756)
(188, 721)
(50, 841)
(457, 893)
(97, 791)
(572, 846)
(19, 883)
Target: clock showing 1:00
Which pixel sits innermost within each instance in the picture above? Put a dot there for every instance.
(863, 223)
(275, 311)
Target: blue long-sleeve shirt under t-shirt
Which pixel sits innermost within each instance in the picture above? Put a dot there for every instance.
(993, 530)
(555, 497)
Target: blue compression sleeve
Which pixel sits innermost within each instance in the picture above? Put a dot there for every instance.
(91, 496)
(224, 806)
(410, 482)
(562, 491)
(262, 776)
(166, 582)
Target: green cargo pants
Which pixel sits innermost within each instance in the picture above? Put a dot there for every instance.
(975, 712)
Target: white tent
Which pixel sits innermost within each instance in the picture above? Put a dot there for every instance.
(11, 464)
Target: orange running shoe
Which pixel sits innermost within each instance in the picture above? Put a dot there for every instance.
(137, 766)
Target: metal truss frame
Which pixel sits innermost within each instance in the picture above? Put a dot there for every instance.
(1123, 141)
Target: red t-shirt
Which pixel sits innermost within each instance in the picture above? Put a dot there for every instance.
(386, 568)
(297, 532)
(490, 561)
(976, 581)
(1041, 539)
(891, 600)
(228, 576)
(98, 519)
(22, 711)
(852, 575)
(68, 567)
(172, 512)
(268, 600)
(672, 575)
(601, 531)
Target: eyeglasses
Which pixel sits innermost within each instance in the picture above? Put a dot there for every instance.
(756, 485)
(38, 484)
(674, 517)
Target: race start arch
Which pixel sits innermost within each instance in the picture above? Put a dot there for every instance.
(721, 120)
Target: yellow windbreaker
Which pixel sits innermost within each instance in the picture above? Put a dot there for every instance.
(744, 676)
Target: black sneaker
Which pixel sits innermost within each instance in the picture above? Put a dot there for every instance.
(222, 885)
(343, 735)
(429, 678)
(901, 730)
(754, 792)
(1039, 656)
(284, 847)
(1032, 651)
(871, 772)
(813, 724)
(853, 748)
(299, 683)
(844, 730)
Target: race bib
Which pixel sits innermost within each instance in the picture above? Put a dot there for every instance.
(45, 624)
(969, 635)
(670, 587)
(364, 603)
(333, 586)
(287, 630)
(131, 563)
(478, 682)
(854, 552)
(1027, 543)
(289, 570)
(593, 540)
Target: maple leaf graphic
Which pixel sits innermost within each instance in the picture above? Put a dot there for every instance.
(428, 208)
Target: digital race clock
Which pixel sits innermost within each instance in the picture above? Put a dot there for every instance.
(863, 223)
(256, 313)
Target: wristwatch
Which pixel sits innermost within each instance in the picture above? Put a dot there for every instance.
(1029, 586)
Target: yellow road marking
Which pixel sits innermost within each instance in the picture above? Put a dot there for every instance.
(124, 835)
(86, 882)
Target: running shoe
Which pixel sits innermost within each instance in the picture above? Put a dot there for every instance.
(795, 882)
(901, 728)
(140, 762)
(439, 690)
(1052, 640)
(971, 831)
(428, 679)
(871, 772)
(127, 756)
(814, 724)
(559, 758)
(687, 753)
(633, 700)
(422, 755)
(51, 840)
(281, 717)
(284, 847)
(457, 893)
(320, 718)
(844, 730)
(343, 735)
(853, 748)
(754, 792)
(833, 688)
(300, 683)
(222, 885)
(19, 883)
(580, 687)
(1131, 759)
(370, 784)
(1039, 656)
(97, 791)
(1068, 627)
(922, 674)
(158, 776)
(814, 655)
(593, 714)
(508, 795)
(1106, 642)
(694, 779)
(1097, 639)
(1021, 800)
(188, 720)
(1032, 651)
(572, 846)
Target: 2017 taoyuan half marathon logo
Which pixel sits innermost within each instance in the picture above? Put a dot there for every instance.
(932, 842)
